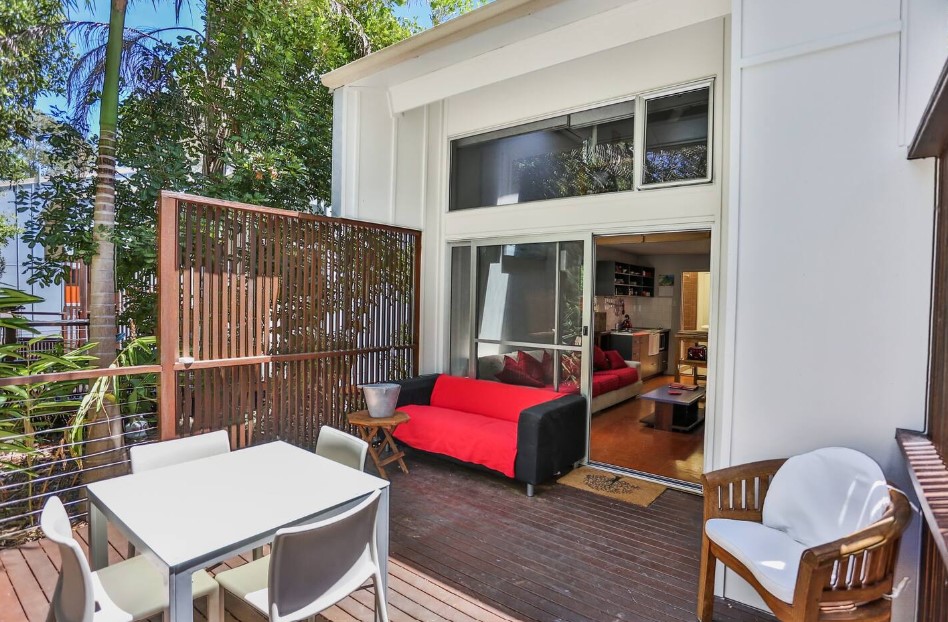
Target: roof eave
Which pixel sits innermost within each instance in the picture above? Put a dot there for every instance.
(488, 16)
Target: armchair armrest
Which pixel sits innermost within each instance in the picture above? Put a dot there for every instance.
(860, 562)
(738, 492)
(416, 390)
(550, 437)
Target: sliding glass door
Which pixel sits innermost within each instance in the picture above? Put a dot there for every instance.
(511, 298)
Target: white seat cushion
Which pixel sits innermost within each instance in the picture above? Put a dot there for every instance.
(134, 589)
(249, 582)
(824, 495)
(771, 555)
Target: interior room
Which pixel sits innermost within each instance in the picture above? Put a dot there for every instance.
(652, 306)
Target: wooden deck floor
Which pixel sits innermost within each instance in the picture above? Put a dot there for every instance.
(470, 547)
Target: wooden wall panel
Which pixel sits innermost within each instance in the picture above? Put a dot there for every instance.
(285, 315)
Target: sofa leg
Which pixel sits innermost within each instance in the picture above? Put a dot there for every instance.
(529, 490)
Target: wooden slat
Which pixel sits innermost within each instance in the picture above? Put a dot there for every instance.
(929, 474)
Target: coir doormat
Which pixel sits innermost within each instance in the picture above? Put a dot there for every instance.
(619, 487)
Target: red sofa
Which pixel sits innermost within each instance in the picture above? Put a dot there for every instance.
(609, 386)
(523, 433)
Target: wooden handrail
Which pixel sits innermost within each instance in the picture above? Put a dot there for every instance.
(263, 359)
(80, 374)
(282, 213)
(929, 474)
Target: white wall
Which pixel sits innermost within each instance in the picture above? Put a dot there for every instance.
(825, 230)
(15, 253)
(832, 233)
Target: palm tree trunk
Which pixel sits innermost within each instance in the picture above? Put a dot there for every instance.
(102, 324)
(102, 312)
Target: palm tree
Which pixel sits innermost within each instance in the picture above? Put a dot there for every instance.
(102, 312)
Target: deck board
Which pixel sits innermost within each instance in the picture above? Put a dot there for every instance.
(471, 547)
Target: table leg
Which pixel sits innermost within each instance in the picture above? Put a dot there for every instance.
(368, 435)
(396, 454)
(180, 597)
(664, 415)
(98, 538)
(381, 537)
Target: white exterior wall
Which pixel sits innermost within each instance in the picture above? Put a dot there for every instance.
(832, 228)
(822, 229)
(15, 253)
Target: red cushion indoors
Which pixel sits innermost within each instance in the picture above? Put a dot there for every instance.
(607, 382)
(600, 361)
(547, 364)
(615, 359)
(483, 397)
(488, 441)
(626, 375)
(518, 371)
(532, 366)
(598, 387)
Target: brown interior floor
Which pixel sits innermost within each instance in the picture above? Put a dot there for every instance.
(619, 438)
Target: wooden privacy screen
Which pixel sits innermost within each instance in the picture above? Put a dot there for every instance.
(284, 315)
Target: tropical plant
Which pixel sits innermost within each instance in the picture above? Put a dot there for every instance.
(134, 396)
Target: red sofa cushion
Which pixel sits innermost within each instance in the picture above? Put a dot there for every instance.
(615, 359)
(600, 360)
(483, 397)
(605, 382)
(626, 375)
(478, 439)
(520, 371)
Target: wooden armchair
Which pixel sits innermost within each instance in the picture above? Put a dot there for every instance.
(845, 579)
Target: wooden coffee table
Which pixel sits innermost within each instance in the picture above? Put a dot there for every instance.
(674, 412)
(369, 427)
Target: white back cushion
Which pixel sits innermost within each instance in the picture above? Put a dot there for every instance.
(826, 494)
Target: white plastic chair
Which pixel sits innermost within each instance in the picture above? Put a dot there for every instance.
(126, 591)
(312, 567)
(341, 447)
(167, 453)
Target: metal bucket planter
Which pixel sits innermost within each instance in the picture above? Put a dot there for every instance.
(381, 398)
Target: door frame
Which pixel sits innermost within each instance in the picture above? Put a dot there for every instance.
(588, 291)
(714, 319)
(717, 422)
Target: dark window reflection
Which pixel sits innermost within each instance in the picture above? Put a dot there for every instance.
(571, 160)
(676, 137)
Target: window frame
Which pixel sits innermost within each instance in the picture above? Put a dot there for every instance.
(552, 121)
(642, 130)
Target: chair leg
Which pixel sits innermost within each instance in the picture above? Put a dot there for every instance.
(706, 581)
(529, 490)
(215, 606)
(221, 605)
(381, 609)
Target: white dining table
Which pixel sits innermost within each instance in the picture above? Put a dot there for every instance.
(195, 514)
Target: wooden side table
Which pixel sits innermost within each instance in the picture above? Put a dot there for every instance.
(368, 428)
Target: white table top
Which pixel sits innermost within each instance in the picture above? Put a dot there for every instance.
(191, 512)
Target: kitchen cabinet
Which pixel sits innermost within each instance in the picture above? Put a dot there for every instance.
(614, 278)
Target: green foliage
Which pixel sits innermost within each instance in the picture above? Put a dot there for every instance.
(443, 10)
(136, 396)
(26, 410)
(236, 113)
(34, 53)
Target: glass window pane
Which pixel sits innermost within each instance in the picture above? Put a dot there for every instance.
(571, 293)
(460, 340)
(676, 137)
(564, 161)
(516, 292)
